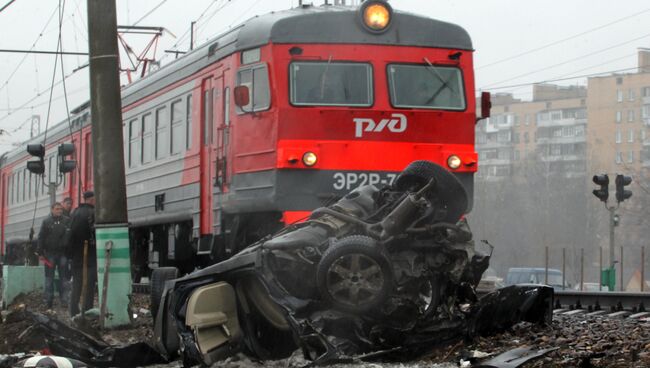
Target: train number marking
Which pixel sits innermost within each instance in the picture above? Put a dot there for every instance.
(397, 124)
(353, 180)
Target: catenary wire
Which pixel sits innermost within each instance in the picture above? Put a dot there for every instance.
(562, 40)
(566, 62)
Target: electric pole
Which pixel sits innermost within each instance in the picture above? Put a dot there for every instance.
(111, 221)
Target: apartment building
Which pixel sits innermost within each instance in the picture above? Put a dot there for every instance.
(619, 119)
(546, 135)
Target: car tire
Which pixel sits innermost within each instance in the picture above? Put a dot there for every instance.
(450, 192)
(354, 275)
(159, 276)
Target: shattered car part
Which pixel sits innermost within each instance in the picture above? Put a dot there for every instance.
(514, 358)
(75, 345)
(390, 269)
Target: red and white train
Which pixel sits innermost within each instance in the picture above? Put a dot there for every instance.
(253, 130)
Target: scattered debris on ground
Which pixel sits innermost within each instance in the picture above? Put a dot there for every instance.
(581, 341)
(15, 324)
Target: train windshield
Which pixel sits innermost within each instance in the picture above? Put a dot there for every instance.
(331, 83)
(426, 86)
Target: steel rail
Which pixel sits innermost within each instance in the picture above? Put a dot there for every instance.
(612, 300)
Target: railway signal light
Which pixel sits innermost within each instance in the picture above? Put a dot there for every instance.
(621, 182)
(65, 166)
(603, 192)
(38, 151)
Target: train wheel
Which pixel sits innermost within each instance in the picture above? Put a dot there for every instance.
(159, 276)
(354, 275)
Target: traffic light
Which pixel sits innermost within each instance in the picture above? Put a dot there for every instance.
(38, 151)
(621, 182)
(65, 166)
(603, 192)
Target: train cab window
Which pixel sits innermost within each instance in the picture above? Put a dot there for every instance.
(134, 142)
(162, 140)
(177, 132)
(330, 84)
(147, 138)
(257, 80)
(426, 87)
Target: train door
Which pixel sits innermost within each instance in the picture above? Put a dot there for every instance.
(206, 136)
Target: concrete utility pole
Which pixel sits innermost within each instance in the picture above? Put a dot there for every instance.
(612, 238)
(111, 229)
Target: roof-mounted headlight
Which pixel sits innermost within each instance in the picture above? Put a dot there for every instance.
(376, 15)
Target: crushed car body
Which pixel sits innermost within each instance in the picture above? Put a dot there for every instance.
(385, 272)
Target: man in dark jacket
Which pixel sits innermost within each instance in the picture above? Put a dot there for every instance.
(82, 231)
(52, 241)
(67, 206)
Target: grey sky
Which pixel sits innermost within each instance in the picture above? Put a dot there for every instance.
(500, 29)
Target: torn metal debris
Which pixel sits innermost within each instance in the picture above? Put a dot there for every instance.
(384, 273)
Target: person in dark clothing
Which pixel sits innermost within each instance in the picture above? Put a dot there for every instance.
(67, 206)
(82, 230)
(52, 242)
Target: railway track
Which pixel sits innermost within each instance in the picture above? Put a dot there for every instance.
(610, 304)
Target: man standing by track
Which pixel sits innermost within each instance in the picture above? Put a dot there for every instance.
(84, 254)
(52, 241)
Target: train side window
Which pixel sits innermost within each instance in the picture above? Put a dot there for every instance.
(134, 141)
(13, 188)
(226, 106)
(12, 185)
(89, 159)
(188, 126)
(162, 141)
(18, 185)
(177, 132)
(147, 138)
(26, 184)
(256, 78)
(207, 116)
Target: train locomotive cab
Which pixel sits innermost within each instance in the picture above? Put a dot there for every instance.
(337, 98)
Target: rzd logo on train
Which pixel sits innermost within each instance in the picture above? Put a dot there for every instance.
(395, 125)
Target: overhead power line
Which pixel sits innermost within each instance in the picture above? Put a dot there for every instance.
(6, 83)
(6, 5)
(563, 40)
(566, 62)
(150, 12)
(42, 52)
(558, 79)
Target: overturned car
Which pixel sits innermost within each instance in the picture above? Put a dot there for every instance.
(386, 270)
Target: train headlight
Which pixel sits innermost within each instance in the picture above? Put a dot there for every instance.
(376, 15)
(309, 159)
(453, 162)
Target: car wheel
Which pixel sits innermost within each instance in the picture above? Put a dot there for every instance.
(354, 275)
(159, 276)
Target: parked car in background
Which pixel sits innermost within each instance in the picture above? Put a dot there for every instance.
(536, 275)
